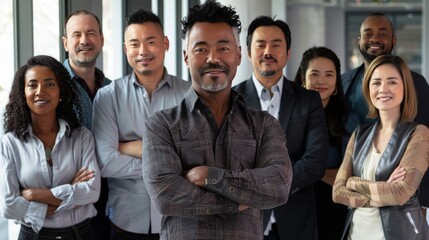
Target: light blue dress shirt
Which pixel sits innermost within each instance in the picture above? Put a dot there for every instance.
(268, 103)
(120, 110)
(24, 165)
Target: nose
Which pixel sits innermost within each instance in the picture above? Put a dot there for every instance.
(383, 88)
(83, 39)
(268, 51)
(143, 49)
(213, 57)
(40, 89)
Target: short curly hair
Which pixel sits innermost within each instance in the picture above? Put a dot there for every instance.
(17, 116)
(211, 12)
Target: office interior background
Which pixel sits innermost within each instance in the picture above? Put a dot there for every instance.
(34, 27)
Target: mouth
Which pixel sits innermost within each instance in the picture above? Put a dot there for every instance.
(318, 89)
(214, 72)
(144, 60)
(384, 99)
(375, 47)
(41, 102)
(85, 49)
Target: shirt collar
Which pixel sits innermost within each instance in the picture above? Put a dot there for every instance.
(192, 99)
(99, 75)
(166, 80)
(259, 87)
(64, 128)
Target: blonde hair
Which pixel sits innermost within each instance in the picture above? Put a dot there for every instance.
(409, 102)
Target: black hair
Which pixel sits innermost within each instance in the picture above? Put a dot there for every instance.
(211, 12)
(142, 16)
(336, 109)
(268, 21)
(17, 116)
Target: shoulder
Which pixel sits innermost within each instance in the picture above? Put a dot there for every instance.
(352, 121)
(351, 73)
(422, 130)
(180, 84)
(242, 86)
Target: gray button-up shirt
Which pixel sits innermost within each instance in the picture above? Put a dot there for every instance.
(24, 165)
(248, 164)
(120, 110)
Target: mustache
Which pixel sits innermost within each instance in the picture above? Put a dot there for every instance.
(213, 66)
(265, 58)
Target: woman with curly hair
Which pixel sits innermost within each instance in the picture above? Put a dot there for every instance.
(50, 174)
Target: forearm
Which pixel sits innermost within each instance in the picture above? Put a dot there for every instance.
(132, 148)
(41, 195)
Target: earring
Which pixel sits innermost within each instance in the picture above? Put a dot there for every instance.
(335, 92)
(61, 99)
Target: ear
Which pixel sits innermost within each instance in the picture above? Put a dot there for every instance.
(125, 48)
(65, 43)
(102, 39)
(185, 57)
(166, 43)
(393, 42)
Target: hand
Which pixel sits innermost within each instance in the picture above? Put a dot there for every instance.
(197, 175)
(242, 207)
(83, 175)
(28, 194)
(397, 175)
(51, 210)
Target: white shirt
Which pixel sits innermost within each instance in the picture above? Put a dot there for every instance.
(268, 103)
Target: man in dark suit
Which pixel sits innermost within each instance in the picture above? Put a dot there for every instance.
(377, 37)
(302, 118)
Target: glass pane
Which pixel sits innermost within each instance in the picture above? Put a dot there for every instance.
(46, 28)
(7, 58)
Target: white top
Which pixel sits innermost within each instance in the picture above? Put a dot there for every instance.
(368, 218)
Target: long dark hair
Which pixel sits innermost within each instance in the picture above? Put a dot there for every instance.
(336, 109)
(18, 116)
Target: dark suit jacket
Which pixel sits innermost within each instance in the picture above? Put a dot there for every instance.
(422, 117)
(302, 118)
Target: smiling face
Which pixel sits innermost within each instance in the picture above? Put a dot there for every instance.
(376, 37)
(84, 40)
(268, 52)
(42, 92)
(386, 89)
(212, 56)
(145, 46)
(321, 77)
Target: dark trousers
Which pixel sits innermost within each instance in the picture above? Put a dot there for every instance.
(80, 231)
(119, 234)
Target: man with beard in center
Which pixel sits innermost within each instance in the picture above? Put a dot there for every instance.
(377, 37)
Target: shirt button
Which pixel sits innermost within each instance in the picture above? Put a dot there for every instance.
(229, 209)
(208, 211)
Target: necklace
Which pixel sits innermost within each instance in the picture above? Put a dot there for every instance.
(48, 153)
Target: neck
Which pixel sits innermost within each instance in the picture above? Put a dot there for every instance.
(151, 81)
(268, 82)
(44, 125)
(218, 102)
(87, 73)
(389, 120)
